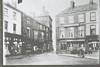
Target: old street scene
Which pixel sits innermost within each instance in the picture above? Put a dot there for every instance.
(51, 32)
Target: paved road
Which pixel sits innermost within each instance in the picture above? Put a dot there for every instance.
(48, 59)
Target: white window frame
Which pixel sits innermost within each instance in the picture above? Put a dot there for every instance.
(81, 18)
(71, 19)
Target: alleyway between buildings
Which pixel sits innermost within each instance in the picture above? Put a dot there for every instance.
(49, 59)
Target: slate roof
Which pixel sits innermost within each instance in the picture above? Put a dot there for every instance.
(81, 8)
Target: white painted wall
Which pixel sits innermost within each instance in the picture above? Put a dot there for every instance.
(11, 20)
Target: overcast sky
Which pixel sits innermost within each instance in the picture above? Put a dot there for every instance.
(52, 6)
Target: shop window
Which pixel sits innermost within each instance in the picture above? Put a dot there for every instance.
(92, 30)
(93, 16)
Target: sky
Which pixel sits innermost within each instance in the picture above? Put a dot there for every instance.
(54, 7)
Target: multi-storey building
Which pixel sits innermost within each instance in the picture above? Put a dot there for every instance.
(47, 21)
(12, 24)
(77, 26)
(23, 32)
(38, 32)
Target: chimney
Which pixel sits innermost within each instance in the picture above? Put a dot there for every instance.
(91, 1)
(72, 4)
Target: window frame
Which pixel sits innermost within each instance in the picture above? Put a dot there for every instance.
(91, 16)
(6, 25)
(81, 18)
(14, 28)
(92, 29)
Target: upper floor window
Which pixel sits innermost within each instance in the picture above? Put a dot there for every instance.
(92, 30)
(42, 33)
(81, 31)
(71, 32)
(62, 35)
(71, 19)
(81, 18)
(28, 21)
(14, 28)
(40, 27)
(14, 15)
(35, 34)
(5, 12)
(61, 20)
(6, 25)
(93, 16)
(28, 31)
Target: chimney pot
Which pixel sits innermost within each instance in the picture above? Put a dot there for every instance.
(72, 4)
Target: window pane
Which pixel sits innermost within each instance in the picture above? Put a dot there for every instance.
(93, 16)
(61, 20)
(81, 18)
(71, 19)
(92, 30)
(6, 25)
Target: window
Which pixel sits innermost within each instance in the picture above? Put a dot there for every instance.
(81, 31)
(6, 25)
(14, 15)
(81, 18)
(62, 33)
(14, 28)
(71, 19)
(28, 20)
(28, 31)
(71, 32)
(61, 20)
(40, 27)
(92, 30)
(35, 34)
(42, 35)
(6, 12)
(93, 16)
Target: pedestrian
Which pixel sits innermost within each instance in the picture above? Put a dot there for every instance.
(90, 50)
(82, 51)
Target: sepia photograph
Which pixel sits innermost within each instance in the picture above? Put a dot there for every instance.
(51, 32)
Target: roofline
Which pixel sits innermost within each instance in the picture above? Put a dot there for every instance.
(22, 13)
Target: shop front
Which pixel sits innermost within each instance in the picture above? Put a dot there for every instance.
(71, 45)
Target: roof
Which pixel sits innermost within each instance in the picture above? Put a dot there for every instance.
(81, 8)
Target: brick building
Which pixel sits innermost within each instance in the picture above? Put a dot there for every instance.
(77, 26)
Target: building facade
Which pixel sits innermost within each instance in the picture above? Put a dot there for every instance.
(25, 34)
(46, 20)
(77, 26)
(12, 24)
(37, 32)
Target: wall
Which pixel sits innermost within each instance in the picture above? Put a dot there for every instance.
(11, 20)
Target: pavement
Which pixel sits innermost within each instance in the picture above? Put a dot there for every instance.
(94, 55)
